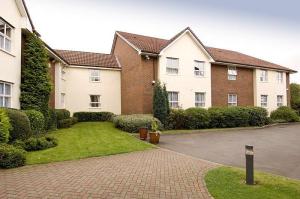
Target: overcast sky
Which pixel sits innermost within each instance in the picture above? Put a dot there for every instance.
(267, 29)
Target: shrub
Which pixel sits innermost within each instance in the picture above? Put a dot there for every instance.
(132, 123)
(236, 117)
(20, 125)
(37, 121)
(197, 118)
(52, 121)
(65, 123)
(4, 127)
(160, 103)
(74, 120)
(258, 116)
(176, 119)
(11, 157)
(41, 143)
(217, 117)
(62, 114)
(285, 114)
(93, 116)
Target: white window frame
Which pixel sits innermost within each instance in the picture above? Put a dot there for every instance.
(4, 95)
(263, 76)
(98, 104)
(6, 38)
(173, 103)
(95, 78)
(199, 68)
(280, 77)
(63, 100)
(264, 103)
(232, 73)
(279, 102)
(200, 103)
(232, 102)
(172, 67)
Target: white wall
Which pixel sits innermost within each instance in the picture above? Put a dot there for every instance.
(186, 83)
(78, 88)
(271, 88)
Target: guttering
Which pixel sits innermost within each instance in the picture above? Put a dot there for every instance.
(94, 67)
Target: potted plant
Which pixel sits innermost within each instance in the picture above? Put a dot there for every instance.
(143, 133)
(154, 134)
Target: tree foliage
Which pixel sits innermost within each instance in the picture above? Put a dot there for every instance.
(35, 78)
(295, 97)
(160, 103)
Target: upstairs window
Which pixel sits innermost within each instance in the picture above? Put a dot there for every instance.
(232, 73)
(172, 65)
(173, 99)
(263, 75)
(279, 100)
(5, 36)
(95, 76)
(280, 77)
(264, 101)
(199, 68)
(5, 95)
(62, 100)
(199, 99)
(95, 101)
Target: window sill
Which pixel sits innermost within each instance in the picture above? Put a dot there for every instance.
(95, 81)
(94, 107)
(196, 76)
(6, 52)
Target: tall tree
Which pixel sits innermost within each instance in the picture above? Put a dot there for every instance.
(160, 106)
(35, 78)
(295, 97)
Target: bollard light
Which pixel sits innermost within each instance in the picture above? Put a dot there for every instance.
(249, 165)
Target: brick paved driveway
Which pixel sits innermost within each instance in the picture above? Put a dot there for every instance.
(156, 173)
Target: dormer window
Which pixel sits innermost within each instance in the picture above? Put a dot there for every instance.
(199, 68)
(172, 65)
(5, 36)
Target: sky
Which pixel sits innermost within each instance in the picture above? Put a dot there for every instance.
(267, 29)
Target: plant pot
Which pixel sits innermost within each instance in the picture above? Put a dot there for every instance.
(143, 133)
(154, 137)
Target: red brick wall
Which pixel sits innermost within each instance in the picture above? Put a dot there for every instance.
(221, 86)
(288, 89)
(52, 94)
(136, 79)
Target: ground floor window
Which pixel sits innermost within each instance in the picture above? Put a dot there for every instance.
(95, 101)
(5, 94)
(199, 99)
(232, 100)
(173, 99)
(279, 100)
(264, 100)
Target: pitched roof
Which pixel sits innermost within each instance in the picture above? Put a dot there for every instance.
(156, 45)
(79, 58)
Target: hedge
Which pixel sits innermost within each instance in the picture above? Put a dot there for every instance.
(62, 114)
(37, 121)
(41, 143)
(67, 123)
(132, 123)
(20, 125)
(4, 127)
(284, 114)
(52, 121)
(197, 118)
(11, 157)
(93, 116)
(176, 119)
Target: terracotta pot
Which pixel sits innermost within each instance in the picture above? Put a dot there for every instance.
(143, 133)
(154, 137)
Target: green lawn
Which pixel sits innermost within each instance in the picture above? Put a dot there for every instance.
(229, 183)
(88, 139)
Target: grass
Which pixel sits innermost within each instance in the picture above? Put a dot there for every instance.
(229, 183)
(88, 139)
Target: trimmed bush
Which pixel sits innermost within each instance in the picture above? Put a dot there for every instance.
(217, 117)
(74, 120)
(65, 123)
(52, 121)
(176, 119)
(11, 157)
(4, 127)
(37, 121)
(62, 114)
(285, 114)
(20, 125)
(41, 143)
(93, 116)
(132, 123)
(258, 116)
(197, 118)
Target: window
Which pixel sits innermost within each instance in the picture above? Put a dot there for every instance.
(173, 99)
(263, 76)
(95, 76)
(199, 68)
(199, 99)
(172, 65)
(232, 100)
(264, 100)
(5, 95)
(95, 101)
(62, 100)
(279, 77)
(279, 100)
(232, 73)
(63, 73)
(5, 36)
